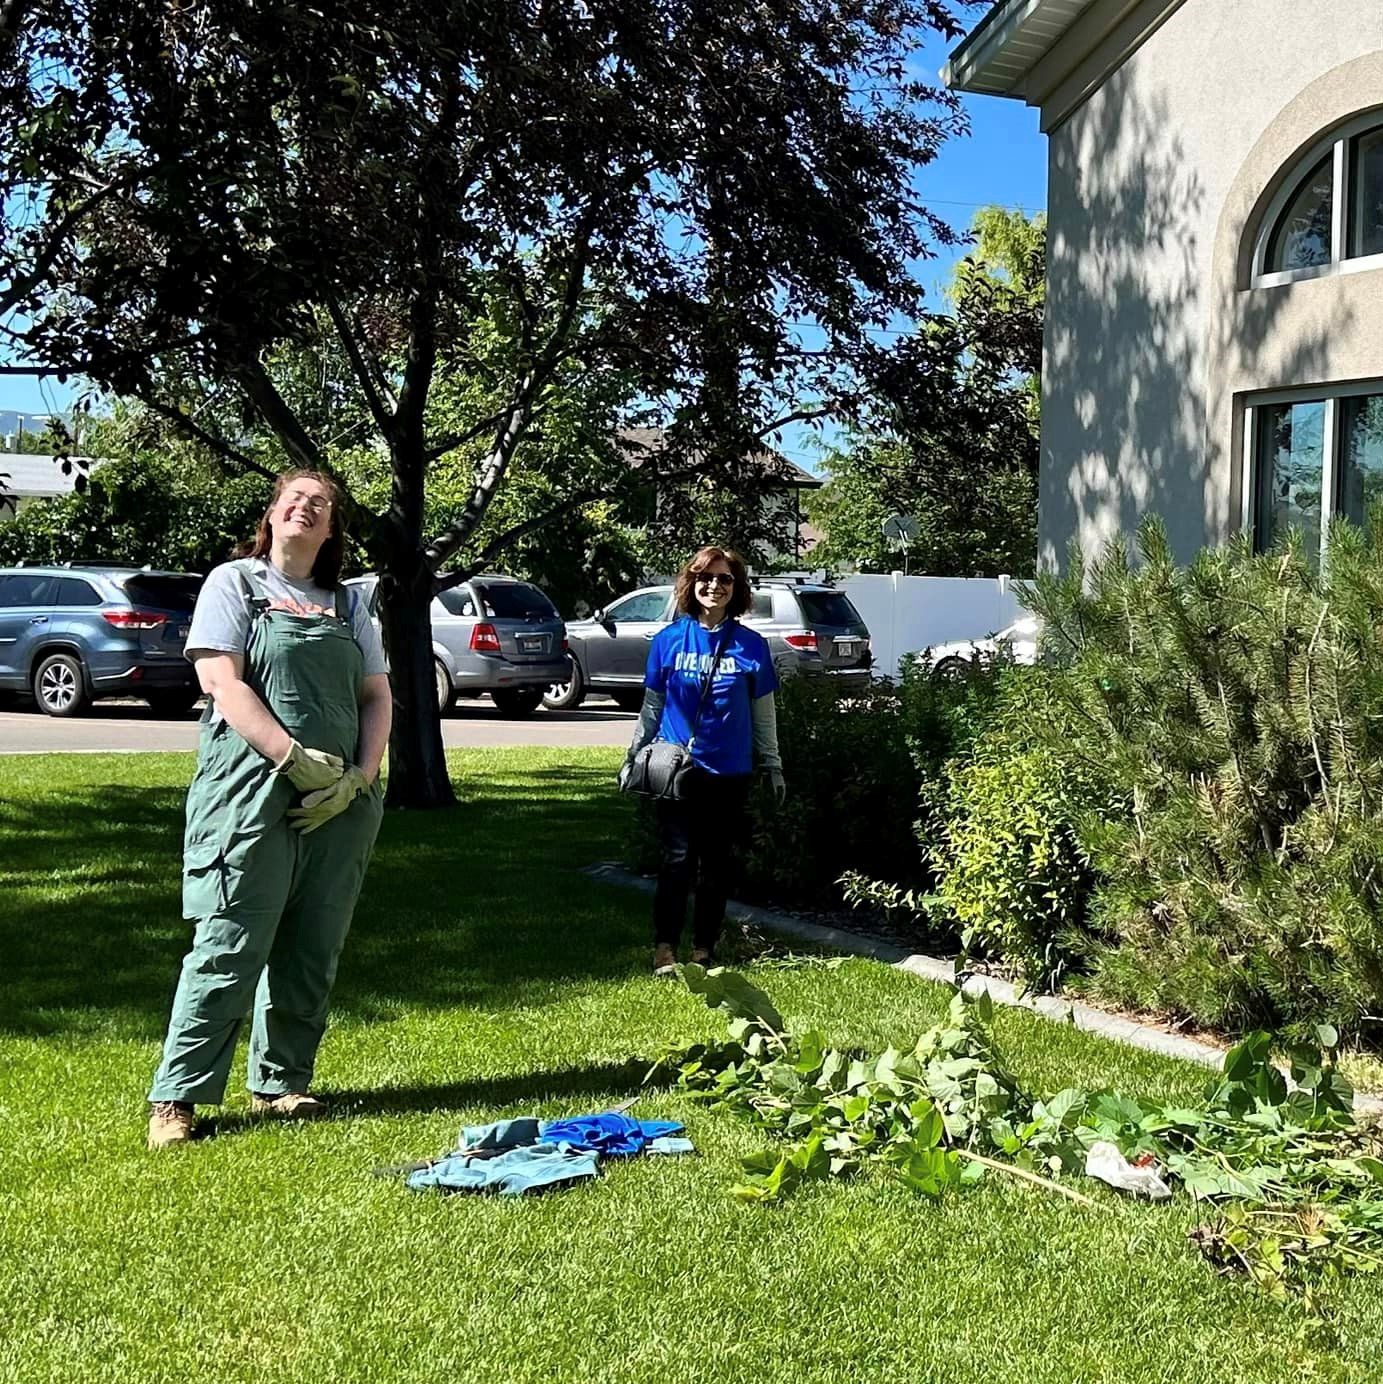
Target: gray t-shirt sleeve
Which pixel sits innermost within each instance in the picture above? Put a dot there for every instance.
(366, 635)
(221, 619)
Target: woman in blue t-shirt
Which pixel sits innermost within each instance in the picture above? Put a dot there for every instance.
(735, 724)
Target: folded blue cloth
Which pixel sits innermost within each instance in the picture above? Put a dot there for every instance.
(503, 1134)
(611, 1135)
(513, 1172)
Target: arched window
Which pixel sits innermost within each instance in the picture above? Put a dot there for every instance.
(1328, 216)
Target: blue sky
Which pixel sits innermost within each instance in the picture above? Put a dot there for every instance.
(1002, 162)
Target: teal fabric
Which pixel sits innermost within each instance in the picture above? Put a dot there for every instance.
(271, 907)
(511, 1172)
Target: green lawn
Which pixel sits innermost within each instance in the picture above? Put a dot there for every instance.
(485, 977)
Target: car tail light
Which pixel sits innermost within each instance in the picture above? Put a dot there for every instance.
(484, 639)
(134, 619)
(565, 646)
(804, 640)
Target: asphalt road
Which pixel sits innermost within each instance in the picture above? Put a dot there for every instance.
(131, 726)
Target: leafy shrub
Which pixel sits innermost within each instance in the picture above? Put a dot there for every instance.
(1236, 708)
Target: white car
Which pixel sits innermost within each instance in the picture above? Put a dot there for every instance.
(1020, 638)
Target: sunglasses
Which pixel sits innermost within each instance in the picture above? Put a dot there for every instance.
(714, 579)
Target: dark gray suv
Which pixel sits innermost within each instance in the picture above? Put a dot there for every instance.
(71, 634)
(811, 627)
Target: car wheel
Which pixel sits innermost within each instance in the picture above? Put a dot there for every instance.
(628, 701)
(951, 668)
(517, 701)
(567, 696)
(174, 702)
(60, 686)
(446, 693)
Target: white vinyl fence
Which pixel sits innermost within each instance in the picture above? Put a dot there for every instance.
(905, 614)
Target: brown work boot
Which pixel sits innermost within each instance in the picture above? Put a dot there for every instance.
(170, 1123)
(664, 960)
(294, 1105)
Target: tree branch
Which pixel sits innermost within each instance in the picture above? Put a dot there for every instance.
(195, 433)
(364, 376)
(263, 393)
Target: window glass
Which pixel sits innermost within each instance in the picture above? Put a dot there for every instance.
(25, 589)
(1291, 441)
(515, 600)
(1301, 238)
(1361, 470)
(73, 591)
(458, 601)
(163, 592)
(647, 605)
(1366, 193)
(761, 605)
(828, 608)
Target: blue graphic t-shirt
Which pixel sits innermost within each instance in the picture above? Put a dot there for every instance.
(677, 659)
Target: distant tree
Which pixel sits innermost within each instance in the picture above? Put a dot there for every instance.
(958, 451)
(195, 197)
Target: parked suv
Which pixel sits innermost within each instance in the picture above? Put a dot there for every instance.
(73, 633)
(491, 634)
(811, 628)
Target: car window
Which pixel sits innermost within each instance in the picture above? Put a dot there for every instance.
(163, 592)
(25, 589)
(761, 606)
(828, 608)
(646, 605)
(458, 601)
(515, 600)
(73, 591)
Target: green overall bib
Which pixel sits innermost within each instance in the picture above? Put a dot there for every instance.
(271, 906)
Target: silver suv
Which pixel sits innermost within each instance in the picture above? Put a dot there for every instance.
(811, 627)
(492, 634)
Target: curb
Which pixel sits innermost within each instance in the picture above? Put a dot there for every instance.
(1148, 1037)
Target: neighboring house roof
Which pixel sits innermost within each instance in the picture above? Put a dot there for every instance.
(641, 443)
(1029, 48)
(35, 477)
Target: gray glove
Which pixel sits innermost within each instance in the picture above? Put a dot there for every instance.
(309, 770)
(624, 773)
(780, 787)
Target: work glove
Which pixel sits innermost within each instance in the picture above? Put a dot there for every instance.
(309, 770)
(779, 785)
(320, 807)
(624, 771)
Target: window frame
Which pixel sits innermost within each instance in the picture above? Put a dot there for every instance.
(1332, 396)
(1337, 145)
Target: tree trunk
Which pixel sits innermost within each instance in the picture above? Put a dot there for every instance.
(417, 761)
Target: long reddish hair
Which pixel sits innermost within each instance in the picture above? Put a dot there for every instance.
(326, 570)
(685, 589)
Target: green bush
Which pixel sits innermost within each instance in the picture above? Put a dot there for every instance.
(1012, 873)
(1235, 708)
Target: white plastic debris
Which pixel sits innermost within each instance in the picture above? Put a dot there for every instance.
(1104, 1162)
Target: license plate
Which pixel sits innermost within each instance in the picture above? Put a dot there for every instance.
(184, 631)
(532, 646)
(847, 647)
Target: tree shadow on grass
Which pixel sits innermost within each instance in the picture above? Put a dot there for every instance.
(482, 905)
(598, 1082)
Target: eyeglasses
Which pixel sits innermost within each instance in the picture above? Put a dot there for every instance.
(714, 579)
(314, 504)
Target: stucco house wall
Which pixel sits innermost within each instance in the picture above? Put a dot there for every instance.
(1172, 124)
(1154, 341)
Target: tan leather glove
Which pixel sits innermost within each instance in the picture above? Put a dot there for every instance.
(309, 770)
(320, 807)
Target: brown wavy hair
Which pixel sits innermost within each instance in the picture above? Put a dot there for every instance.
(685, 589)
(326, 571)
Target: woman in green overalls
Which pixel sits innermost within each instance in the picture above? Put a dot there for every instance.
(282, 812)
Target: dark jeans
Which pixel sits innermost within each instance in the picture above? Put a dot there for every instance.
(698, 839)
